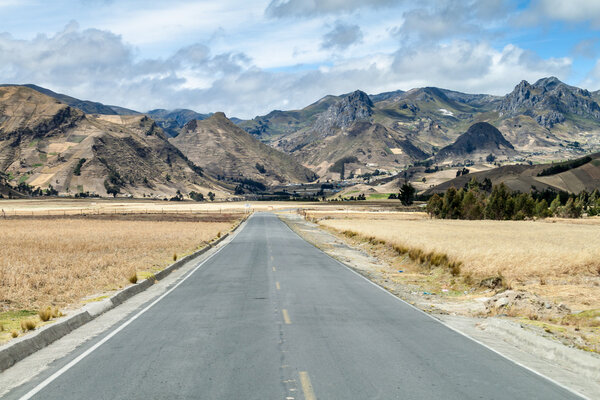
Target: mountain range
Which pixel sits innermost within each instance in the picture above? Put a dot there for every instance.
(336, 137)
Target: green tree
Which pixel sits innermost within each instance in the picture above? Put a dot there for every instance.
(211, 196)
(434, 206)
(555, 205)
(524, 206)
(472, 205)
(407, 194)
(499, 205)
(451, 204)
(541, 209)
(572, 209)
(473, 184)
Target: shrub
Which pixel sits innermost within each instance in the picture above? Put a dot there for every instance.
(77, 170)
(133, 278)
(174, 256)
(45, 314)
(28, 325)
(454, 267)
(196, 196)
(14, 333)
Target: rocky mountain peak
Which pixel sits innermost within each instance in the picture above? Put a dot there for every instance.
(481, 138)
(548, 83)
(357, 106)
(549, 101)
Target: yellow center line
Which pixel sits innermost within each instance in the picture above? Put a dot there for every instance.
(277, 286)
(286, 316)
(307, 388)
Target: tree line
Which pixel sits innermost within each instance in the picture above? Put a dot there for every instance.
(474, 202)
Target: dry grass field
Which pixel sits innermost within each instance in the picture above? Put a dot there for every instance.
(559, 259)
(60, 261)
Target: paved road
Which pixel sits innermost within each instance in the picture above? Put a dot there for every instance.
(272, 317)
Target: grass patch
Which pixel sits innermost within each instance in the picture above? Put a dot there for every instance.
(11, 321)
(99, 298)
(588, 318)
(378, 196)
(43, 157)
(34, 142)
(37, 165)
(23, 178)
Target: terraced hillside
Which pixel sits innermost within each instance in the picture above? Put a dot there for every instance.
(47, 144)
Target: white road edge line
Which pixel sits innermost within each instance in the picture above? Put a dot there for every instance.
(83, 355)
(445, 324)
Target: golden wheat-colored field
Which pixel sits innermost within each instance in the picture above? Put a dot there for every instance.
(59, 261)
(519, 250)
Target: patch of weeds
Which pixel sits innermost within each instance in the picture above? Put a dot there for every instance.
(132, 277)
(99, 298)
(11, 320)
(147, 275)
(48, 313)
(588, 318)
(28, 324)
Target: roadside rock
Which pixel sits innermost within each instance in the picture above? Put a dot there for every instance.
(524, 303)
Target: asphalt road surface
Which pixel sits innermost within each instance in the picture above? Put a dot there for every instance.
(272, 317)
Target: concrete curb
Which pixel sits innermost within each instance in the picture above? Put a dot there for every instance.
(19, 348)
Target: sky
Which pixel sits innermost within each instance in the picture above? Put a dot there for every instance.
(248, 57)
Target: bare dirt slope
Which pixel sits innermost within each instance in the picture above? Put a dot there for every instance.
(222, 148)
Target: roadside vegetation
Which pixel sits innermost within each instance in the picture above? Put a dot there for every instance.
(474, 202)
(50, 264)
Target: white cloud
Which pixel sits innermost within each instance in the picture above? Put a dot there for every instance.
(342, 36)
(100, 65)
(308, 8)
(475, 67)
(585, 48)
(570, 11)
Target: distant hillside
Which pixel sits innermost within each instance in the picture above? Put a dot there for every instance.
(88, 107)
(173, 120)
(542, 121)
(223, 149)
(479, 141)
(45, 143)
(347, 131)
(280, 123)
(571, 176)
